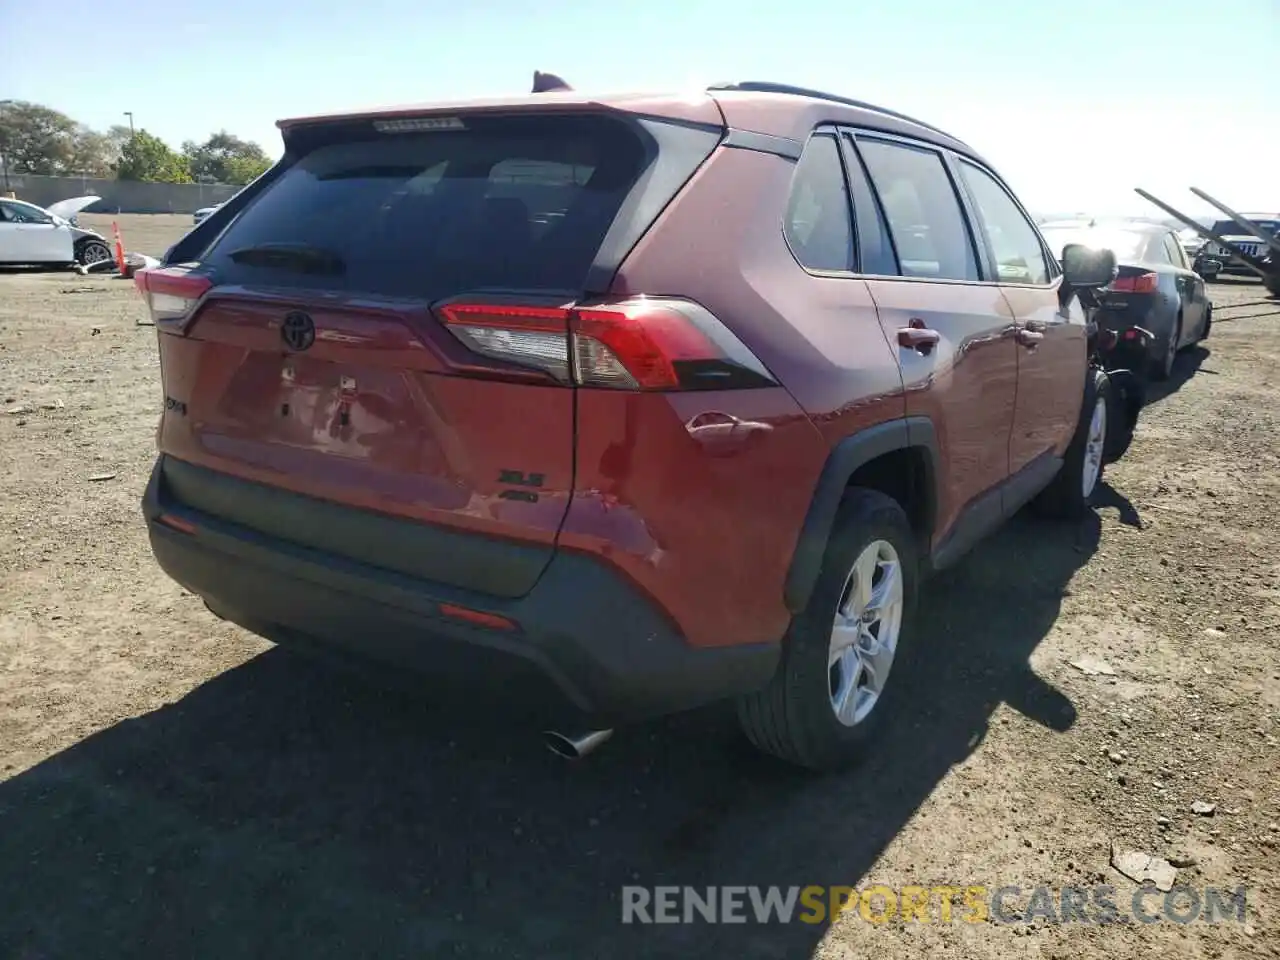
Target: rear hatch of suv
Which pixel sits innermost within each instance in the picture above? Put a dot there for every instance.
(337, 366)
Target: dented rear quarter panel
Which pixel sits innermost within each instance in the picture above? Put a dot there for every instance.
(721, 524)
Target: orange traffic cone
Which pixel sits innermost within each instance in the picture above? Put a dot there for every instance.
(115, 229)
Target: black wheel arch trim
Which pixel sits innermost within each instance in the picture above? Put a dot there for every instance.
(843, 461)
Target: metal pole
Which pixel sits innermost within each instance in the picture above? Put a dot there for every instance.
(129, 114)
(1253, 263)
(1246, 225)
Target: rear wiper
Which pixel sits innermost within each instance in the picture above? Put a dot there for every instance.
(290, 256)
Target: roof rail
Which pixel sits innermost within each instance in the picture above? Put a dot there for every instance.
(766, 86)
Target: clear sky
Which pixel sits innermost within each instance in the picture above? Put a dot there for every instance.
(1074, 102)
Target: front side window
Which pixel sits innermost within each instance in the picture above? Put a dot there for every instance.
(817, 225)
(26, 213)
(922, 209)
(1014, 242)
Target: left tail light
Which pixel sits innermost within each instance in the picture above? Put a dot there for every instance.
(172, 293)
(640, 343)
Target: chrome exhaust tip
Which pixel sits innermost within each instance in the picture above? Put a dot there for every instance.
(574, 746)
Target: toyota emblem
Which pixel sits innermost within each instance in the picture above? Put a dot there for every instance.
(298, 331)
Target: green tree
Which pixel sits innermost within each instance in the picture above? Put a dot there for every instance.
(225, 158)
(147, 157)
(35, 139)
(242, 170)
(92, 153)
(119, 134)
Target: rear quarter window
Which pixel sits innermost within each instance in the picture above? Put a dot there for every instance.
(817, 225)
(515, 203)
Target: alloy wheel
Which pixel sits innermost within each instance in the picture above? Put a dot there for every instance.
(1095, 445)
(864, 635)
(95, 251)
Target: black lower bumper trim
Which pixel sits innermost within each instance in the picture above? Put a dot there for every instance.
(589, 645)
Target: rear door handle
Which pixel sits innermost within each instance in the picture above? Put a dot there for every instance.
(1030, 338)
(921, 339)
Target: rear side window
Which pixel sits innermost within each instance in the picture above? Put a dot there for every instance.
(509, 203)
(1174, 249)
(875, 252)
(817, 225)
(922, 209)
(1125, 245)
(1157, 252)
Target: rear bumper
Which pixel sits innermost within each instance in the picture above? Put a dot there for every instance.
(1230, 264)
(1140, 313)
(587, 646)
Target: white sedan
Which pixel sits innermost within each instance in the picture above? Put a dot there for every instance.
(49, 235)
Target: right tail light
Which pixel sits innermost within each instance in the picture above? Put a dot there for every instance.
(639, 343)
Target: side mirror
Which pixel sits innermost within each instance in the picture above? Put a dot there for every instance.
(1086, 267)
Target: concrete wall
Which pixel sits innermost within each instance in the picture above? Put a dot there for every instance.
(120, 196)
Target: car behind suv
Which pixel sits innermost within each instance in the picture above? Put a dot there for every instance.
(1155, 289)
(624, 404)
(1268, 223)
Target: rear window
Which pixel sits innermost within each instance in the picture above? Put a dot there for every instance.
(510, 203)
(1124, 244)
(1229, 228)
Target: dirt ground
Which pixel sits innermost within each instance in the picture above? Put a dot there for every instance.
(172, 786)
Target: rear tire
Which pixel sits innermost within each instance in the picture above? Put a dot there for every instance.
(798, 716)
(1162, 368)
(1072, 491)
(1126, 398)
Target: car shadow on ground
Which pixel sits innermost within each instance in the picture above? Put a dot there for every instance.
(1186, 365)
(285, 809)
(1108, 496)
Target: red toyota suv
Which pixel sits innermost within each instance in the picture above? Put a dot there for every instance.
(625, 404)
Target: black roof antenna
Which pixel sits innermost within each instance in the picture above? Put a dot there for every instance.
(548, 83)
